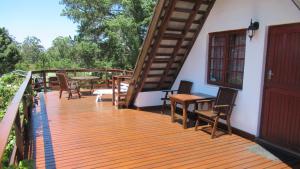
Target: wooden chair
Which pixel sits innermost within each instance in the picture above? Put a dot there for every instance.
(66, 85)
(221, 109)
(184, 88)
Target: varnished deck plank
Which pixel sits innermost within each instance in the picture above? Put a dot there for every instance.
(80, 133)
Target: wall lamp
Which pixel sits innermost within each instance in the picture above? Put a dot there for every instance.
(252, 28)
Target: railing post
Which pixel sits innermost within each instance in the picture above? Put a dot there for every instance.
(113, 90)
(19, 138)
(44, 81)
(119, 90)
(27, 108)
(106, 78)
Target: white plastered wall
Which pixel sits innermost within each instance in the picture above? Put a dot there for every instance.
(231, 15)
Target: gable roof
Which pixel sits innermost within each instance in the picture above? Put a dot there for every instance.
(172, 32)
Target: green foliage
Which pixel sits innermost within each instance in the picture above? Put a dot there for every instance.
(31, 49)
(9, 84)
(68, 53)
(25, 164)
(59, 55)
(8, 150)
(117, 26)
(9, 53)
(90, 14)
(32, 52)
(88, 52)
(61, 48)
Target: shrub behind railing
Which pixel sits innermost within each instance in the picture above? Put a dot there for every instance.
(14, 127)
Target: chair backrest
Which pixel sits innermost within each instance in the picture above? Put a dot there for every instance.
(226, 96)
(63, 81)
(185, 87)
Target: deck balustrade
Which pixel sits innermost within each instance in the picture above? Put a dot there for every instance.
(17, 120)
(18, 115)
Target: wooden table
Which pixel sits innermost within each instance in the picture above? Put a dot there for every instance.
(91, 79)
(185, 100)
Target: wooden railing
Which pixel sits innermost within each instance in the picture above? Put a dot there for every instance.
(17, 121)
(119, 94)
(105, 80)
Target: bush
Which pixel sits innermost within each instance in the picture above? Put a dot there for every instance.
(9, 85)
(25, 164)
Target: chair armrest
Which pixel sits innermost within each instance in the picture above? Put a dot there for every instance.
(72, 81)
(167, 94)
(221, 106)
(200, 104)
(204, 101)
(169, 90)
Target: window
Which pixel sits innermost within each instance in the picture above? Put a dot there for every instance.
(226, 58)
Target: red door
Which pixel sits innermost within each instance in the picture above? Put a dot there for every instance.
(280, 122)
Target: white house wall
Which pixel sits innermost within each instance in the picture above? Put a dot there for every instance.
(146, 99)
(231, 15)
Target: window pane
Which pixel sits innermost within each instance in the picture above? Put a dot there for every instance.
(235, 78)
(215, 75)
(236, 59)
(218, 41)
(217, 56)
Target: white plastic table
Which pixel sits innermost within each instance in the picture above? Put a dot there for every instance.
(101, 92)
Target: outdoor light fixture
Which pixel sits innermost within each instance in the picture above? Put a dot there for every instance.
(252, 28)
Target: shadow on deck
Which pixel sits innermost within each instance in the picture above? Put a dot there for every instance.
(81, 133)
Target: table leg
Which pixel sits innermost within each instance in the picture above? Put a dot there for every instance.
(173, 108)
(184, 115)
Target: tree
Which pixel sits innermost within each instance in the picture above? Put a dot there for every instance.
(32, 49)
(90, 14)
(31, 52)
(62, 47)
(60, 54)
(9, 52)
(117, 26)
(88, 52)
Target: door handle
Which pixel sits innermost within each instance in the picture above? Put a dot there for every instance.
(270, 74)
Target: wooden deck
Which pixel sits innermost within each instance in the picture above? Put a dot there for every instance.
(80, 133)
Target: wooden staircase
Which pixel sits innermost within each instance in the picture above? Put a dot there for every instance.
(171, 35)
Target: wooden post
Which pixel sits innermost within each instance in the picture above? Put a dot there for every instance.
(113, 90)
(25, 107)
(173, 109)
(184, 115)
(44, 81)
(19, 138)
(106, 78)
(119, 90)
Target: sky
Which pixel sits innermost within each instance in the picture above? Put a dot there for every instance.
(39, 18)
